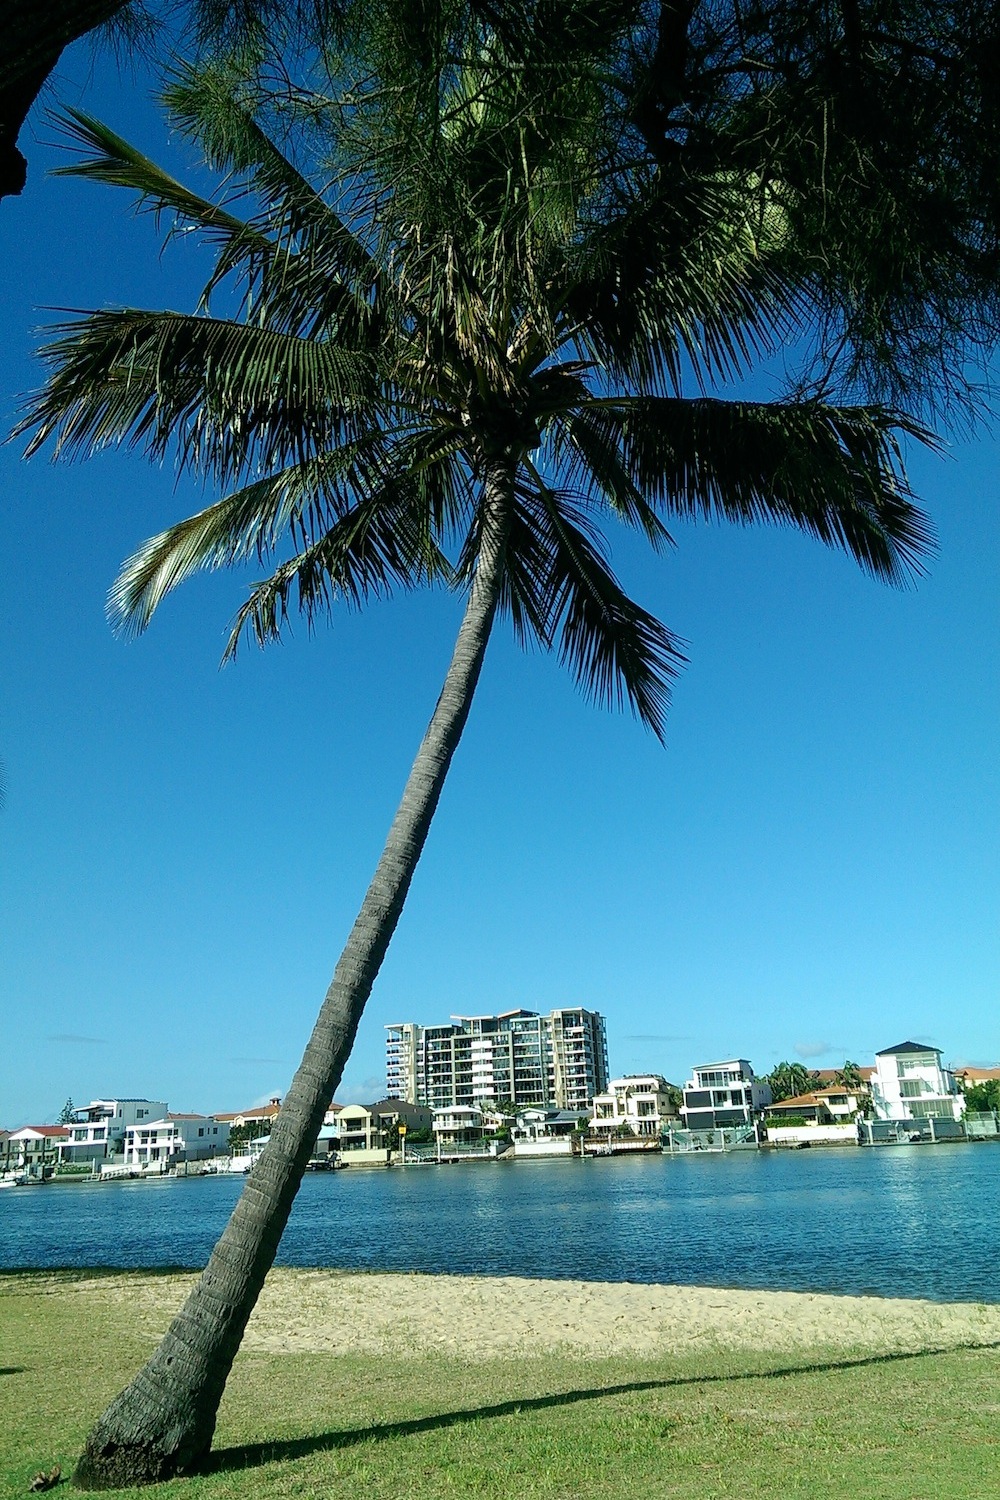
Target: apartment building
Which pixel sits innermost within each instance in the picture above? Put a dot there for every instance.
(520, 1056)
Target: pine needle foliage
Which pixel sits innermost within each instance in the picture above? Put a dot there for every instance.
(458, 243)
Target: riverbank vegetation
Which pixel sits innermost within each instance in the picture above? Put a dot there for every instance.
(754, 1423)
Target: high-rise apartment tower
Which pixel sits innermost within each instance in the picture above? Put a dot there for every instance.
(560, 1059)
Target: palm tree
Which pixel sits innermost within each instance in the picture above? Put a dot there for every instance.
(787, 1080)
(452, 364)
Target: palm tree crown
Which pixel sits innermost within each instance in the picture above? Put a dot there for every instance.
(492, 274)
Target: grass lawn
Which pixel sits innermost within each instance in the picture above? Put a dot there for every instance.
(318, 1426)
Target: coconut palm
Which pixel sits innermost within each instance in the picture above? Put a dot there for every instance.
(453, 363)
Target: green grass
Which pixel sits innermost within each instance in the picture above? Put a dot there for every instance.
(921, 1427)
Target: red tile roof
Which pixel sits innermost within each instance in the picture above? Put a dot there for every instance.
(805, 1100)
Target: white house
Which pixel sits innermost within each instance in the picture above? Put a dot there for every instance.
(543, 1132)
(639, 1103)
(97, 1131)
(723, 1093)
(458, 1125)
(175, 1138)
(909, 1083)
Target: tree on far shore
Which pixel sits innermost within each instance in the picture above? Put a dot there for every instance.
(787, 1080)
(546, 232)
(984, 1097)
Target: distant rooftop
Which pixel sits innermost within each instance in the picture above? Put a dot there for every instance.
(905, 1047)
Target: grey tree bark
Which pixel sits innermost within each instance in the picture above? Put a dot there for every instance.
(163, 1422)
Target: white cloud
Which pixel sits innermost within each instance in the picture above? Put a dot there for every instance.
(364, 1092)
(814, 1049)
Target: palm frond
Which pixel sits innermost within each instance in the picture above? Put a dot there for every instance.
(381, 543)
(681, 281)
(565, 593)
(208, 106)
(586, 450)
(305, 498)
(230, 395)
(119, 164)
(834, 472)
(296, 289)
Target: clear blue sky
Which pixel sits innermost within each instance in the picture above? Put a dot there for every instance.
(808, 870)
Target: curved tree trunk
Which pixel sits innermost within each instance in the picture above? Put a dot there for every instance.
(162, 1423)
(33, 34)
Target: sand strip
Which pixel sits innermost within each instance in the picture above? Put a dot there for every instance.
(485, 1317)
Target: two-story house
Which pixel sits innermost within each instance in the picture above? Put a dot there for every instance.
(175, 1138)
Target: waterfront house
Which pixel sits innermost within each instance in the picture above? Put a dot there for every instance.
(823, 1117)
(366, 1134)
(832, 1078)
(544, 1132)
(639, 1103)
(354, 1128)
(458, 1125)
(811, 1108)
(723, 1094)
(34, 1148)
(97, 1131)
(175, 1138)
(909, 1083)
(831, 1106)
(544, 1124)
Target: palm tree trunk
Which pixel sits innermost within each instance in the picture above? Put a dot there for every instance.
(162, 1423)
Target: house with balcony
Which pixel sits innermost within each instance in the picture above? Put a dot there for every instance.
(639, 1103)
(159, 1144)
(34, 1149)
(368, 1134)
(98, 1130)
(723, 1094)
(458, 1125)
(909, 1083)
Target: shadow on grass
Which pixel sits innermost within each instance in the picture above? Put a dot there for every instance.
(12, 1369)
(253, 1455)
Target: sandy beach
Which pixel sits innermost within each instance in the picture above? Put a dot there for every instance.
(477, 1318)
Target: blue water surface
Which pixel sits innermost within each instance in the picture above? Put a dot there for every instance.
(902, 1221)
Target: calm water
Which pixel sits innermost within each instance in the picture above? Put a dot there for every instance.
(897, 1221)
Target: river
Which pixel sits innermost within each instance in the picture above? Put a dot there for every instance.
(900, 1221)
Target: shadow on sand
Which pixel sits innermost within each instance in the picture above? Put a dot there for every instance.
(253, 1455)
